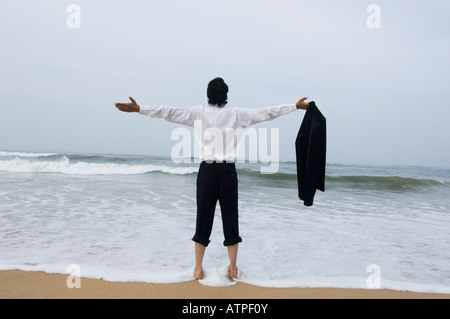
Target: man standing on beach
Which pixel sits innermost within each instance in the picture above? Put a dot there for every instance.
(216, 179)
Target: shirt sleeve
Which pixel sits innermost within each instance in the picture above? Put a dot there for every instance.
(179, 115)
(247, 117)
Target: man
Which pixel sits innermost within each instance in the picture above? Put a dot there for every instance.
(216, 179)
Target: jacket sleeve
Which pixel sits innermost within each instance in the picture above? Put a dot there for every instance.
(179, 115)
(247, 117)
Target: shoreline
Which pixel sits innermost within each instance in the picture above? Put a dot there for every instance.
(18, 284)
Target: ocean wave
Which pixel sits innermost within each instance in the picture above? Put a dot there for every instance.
(25, 154)
(65, 166)
(397, 183)
(385, 182)
(337, 178)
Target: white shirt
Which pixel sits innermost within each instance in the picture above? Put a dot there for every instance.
(218, 130)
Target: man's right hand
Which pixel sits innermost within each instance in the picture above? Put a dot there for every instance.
(128, 107)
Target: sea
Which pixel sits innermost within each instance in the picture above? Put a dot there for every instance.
(132, 217)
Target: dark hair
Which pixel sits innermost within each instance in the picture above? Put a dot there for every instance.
(217, 92)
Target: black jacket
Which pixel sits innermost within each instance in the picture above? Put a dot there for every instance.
(310, 148)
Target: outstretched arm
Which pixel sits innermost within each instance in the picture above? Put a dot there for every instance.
(128, 107)
(179, 115)
(248, 116)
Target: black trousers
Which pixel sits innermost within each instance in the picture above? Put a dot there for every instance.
(217, 182)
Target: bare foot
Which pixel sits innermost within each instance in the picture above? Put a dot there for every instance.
(198, 273)
(233, 272)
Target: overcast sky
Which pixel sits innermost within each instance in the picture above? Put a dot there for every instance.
(384, 91)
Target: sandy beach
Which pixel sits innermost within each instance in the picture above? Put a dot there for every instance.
(16, 284)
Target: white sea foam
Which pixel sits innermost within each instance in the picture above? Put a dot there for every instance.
(25, 154)
(216, 277)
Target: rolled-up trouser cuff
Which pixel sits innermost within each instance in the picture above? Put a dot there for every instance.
(231, 242)
(201, 240)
